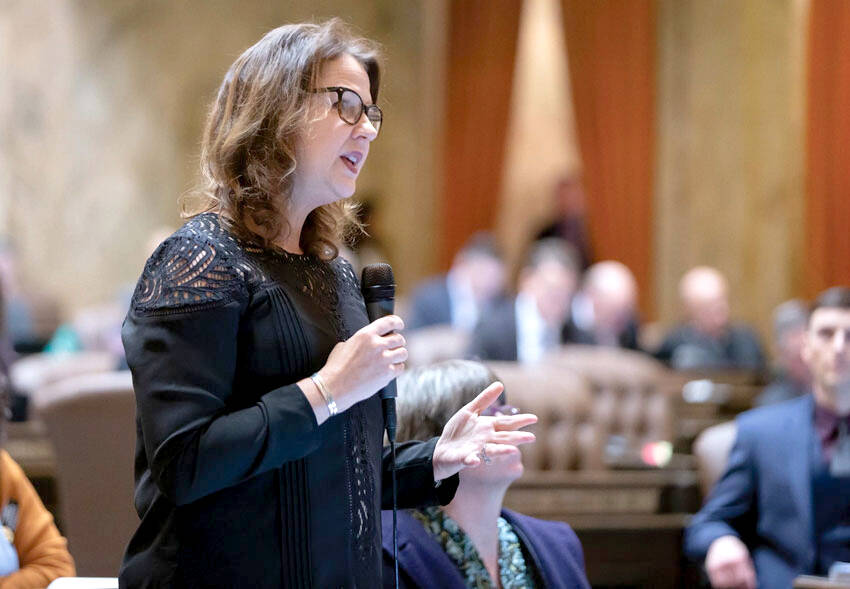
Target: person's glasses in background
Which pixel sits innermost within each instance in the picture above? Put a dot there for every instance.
(494, 410)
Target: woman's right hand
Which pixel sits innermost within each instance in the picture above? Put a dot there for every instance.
(363, 364)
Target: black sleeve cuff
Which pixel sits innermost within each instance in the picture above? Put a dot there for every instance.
(415, 476)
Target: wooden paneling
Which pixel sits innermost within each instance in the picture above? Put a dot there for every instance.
(729, 189)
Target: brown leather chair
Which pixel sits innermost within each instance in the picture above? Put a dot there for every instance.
(632, 392)
(711, 449)
(90, 420)
(566, 438)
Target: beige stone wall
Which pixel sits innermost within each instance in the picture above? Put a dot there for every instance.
(730, 149)
(102, 108)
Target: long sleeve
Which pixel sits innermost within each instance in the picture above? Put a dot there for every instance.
(415, 476)
(181, 346)
(729, 508)
(42, 551)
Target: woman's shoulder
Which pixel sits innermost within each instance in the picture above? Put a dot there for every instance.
(542, 530)
(199, 265)
(345, 273)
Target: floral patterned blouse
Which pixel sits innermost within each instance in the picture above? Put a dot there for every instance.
(514, 573)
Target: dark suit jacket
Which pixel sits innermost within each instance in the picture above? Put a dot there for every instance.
(764, 497)
(628, 337)
(553, 547)
(685, 348)
(494, 338)
(430, 304)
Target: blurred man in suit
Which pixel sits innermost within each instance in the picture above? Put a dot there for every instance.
(534, 322)
(792, 377)
(603, 311)
(709, 340)
(475, 281)
(782, 507)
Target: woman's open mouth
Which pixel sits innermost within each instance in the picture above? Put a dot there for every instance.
(351, 161)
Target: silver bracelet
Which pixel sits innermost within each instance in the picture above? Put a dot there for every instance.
(326, 394)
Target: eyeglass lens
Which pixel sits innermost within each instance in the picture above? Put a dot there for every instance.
(352, 107)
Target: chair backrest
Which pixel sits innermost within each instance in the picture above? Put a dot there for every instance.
(560, 398)
(632, 392)
(711, 449)
(90, 420)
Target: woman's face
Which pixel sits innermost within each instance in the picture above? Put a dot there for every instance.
(331, 153)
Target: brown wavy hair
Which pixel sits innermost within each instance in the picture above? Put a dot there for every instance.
(248, 151)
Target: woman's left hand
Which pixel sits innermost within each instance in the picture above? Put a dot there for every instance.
(469, 437)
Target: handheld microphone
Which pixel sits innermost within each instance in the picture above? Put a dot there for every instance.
(378, 287)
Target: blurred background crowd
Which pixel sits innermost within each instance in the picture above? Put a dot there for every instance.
(622, 208)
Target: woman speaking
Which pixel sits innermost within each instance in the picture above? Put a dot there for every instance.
(259, 458)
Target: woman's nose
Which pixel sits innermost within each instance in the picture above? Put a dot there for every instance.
(366, 128)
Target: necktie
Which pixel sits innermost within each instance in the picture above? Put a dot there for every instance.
(839, 466)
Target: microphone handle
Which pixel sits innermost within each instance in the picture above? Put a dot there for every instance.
(377, 309)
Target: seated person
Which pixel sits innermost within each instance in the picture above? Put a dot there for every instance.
(570, 219)
(473, 540)
(535, 321)
(32, 552)
(475, 281)
(791, 375)
(782, 506)
(708, 340)
(604, 310)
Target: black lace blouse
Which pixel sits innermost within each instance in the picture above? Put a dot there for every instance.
(236, 484)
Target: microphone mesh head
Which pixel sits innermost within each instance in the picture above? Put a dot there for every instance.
(377, 275)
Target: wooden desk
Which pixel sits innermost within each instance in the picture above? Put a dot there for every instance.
(562, 495)
(630, 523)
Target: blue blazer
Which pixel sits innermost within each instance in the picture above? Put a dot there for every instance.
(764, 497)
(430, 304)
(553, 546)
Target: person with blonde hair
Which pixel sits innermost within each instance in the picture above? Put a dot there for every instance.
(259, 458)
(473, 541)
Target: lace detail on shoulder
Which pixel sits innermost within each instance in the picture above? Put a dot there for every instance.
(200, 266)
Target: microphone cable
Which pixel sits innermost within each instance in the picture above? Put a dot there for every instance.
(390, 422)
(395, 514)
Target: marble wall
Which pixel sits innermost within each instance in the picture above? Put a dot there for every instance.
(102, 107)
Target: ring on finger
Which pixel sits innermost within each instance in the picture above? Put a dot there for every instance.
(483, 455)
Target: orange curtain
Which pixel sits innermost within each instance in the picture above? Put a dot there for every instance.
(482, 46)
(611, 51)
(827, 260)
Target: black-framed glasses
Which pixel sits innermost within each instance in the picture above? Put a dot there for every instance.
(350, 106)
